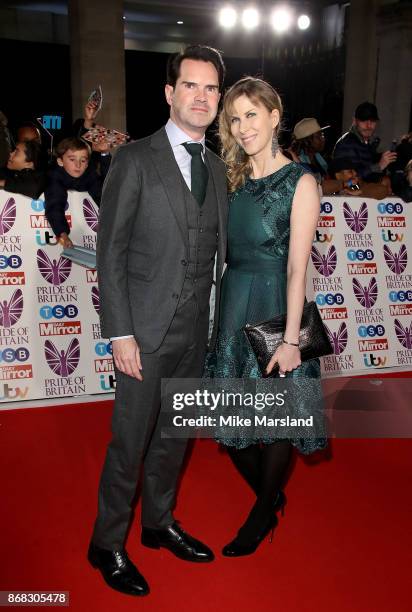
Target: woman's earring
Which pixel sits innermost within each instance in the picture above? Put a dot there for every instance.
(240, 155)
(275, 144)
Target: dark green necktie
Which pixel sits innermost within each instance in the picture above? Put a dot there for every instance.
(199, 171)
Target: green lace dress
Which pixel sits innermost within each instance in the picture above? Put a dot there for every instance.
(254, 289)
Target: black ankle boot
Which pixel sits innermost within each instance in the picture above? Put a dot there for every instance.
(246, 542)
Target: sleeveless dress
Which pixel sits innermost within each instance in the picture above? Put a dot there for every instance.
(254, 289)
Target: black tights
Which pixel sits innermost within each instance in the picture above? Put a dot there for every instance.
(264, 468)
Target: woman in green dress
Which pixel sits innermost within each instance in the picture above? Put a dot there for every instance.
(273, 214)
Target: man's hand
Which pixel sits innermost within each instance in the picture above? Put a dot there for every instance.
(65, 241)
(387, 158)
(126, 355)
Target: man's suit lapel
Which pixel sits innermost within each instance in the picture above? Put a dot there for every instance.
(171, 178)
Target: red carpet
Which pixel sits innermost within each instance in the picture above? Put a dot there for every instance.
(343, 545)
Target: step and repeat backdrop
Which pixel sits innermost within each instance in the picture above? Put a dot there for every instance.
(360, 275)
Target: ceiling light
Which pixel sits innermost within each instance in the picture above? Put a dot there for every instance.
(227, 17)
(281, 19)
(250, 18)
(303, 22)
(179, 22)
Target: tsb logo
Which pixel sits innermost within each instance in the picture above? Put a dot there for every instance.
(329, 299)
(37, 205)
(390, 208)
(13, 261)
(9, 355)
(365, 331)
(326, 207)
(360, 255)
(400, 296)
(102, 349)
(59, 312)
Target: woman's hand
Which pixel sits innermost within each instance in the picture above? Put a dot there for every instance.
(287, 357)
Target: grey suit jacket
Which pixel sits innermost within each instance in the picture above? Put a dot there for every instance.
(143, 240)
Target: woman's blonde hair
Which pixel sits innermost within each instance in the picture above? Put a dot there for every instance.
(237, 161)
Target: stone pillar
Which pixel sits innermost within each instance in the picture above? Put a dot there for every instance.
(97, 58)
(394, 82)
(361, 58)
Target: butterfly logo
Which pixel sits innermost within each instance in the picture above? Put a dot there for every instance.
(325, 264)
(7, 216)
(357, 221)
(404, 334)
(96, 299)
(338, 339)
(54, 271)
(10, 312)
(366, 296)
(396, 262)
(90, 215)
(62, 363)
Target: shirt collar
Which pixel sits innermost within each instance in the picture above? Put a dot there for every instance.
(177, 136)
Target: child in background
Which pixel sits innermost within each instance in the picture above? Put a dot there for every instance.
(73, 172)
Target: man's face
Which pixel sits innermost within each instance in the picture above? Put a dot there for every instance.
(348, 175)
(74, 162)
(17, 158)
(318, 141)
(28, 133)
(366, 128)
(195, 98)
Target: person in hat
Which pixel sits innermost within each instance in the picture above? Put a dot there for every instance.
(307, 146)
(344, 172)
(360, 145)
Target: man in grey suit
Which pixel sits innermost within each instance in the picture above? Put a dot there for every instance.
(162, 219)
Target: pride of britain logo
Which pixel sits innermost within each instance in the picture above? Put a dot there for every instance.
(7, 216)
(396, 262)
(325, 264)
(338, 339)
(404, 334)
(90, 215)
(54, 271)
(10, 310)
(356, 221)
(366, 295)
(96, 299)
(61, 362)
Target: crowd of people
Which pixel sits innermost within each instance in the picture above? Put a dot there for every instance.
(355, 167)
(27, 167)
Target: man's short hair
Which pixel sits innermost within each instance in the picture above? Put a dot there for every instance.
(195, 52)
(73, 144)
(366, 112)
(32, 152)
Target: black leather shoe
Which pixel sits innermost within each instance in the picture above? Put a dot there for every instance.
(178, 542)
(118, 571)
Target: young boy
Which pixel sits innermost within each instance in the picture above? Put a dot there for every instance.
(22, 174)
(72, 172)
